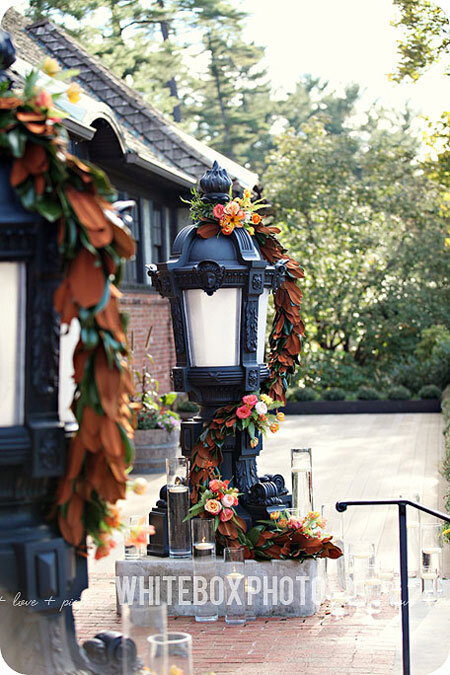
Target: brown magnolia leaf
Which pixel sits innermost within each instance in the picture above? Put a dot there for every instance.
(123, 241)
(80, 357)
(35, 128)
(39, 184)
(76, 457)
(91, 215)
(64, 491)
(30, 116)
(86, 280)
(108, 384)
(90, 429)
(208, 230)
(74, 510)
(9, 102)
(242, 524)
(109, 319)
(64, 304)
(110, 437)
(19, 172)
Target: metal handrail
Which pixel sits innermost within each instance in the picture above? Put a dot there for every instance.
(341, 506)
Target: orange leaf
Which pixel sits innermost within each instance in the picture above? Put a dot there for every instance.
(19, 172)
(74, 510)
(110, 437)
(123, 241)
(76, 457)
(30, 116)
(108, 384)
(64, 491)
(9, 102)
(90, 429)
(109, 319)
(86, 280)
(35, 128)
(208, 230)
(90, 215)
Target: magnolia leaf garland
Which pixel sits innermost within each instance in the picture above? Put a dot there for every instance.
(76, 196)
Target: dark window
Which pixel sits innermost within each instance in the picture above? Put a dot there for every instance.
(158, 233)
(79, 148)
(134, 269)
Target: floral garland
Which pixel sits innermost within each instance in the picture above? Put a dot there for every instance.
(76, 197)
(275, 538)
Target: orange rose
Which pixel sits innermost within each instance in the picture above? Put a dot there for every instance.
(228, 228)
(280, 416)
(274, 427)
(256, 218)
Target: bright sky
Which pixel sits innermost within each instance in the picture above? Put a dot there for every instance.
(341, 41)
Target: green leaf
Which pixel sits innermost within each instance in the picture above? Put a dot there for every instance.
(17, 139)
(49, 209)
(129, 447)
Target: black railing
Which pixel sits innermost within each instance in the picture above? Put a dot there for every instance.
(402, 504)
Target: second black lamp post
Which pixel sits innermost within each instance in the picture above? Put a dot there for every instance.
(219, 290)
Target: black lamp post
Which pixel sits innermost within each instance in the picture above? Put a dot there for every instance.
(218, 290)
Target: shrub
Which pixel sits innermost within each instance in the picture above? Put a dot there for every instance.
(188, 406)
(368, 394)
(333, 394)
(304, 394)
(430, 391)
(409, 375)
(399, 393)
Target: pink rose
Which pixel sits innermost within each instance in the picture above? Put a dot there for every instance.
(214, 485)
(226, 514)
(227, 500)
(250, 400)
(243, 412)
(44, 99)
(218, 211)
(213, 506)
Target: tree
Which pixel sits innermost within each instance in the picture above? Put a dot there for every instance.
(365, 221)
(427, 37)
(152, 45)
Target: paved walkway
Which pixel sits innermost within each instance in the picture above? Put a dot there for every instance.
(354, 457)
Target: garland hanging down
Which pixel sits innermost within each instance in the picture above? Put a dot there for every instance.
(283, 537)
(76, 197)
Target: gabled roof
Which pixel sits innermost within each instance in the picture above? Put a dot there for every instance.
(145, 130)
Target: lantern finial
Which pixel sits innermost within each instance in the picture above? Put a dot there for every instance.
(215, 185)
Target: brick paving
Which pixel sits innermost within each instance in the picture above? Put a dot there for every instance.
(356, 644)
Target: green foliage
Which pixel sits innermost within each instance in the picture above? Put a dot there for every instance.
(155, 410)
(429, 391)
(368, 394)
(368, 226)
(399, 394)
(303, 394)
(188, 406)
(427, 37)
(429, 339)
(333, 394)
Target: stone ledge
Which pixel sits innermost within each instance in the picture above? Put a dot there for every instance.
(294, 596)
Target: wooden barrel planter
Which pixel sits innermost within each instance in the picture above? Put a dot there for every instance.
(152, 447)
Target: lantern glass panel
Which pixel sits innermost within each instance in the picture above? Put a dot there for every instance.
(67, 342)
(214, 326)
(262, 322)
(12, 343)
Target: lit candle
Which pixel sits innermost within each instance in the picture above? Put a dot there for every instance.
(203, 549)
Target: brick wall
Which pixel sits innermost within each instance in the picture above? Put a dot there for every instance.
(147, 309)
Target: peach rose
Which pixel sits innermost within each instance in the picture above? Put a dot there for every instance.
(213, 506)
(214, 485)
(227, 500)
(226, 514)
(250, 400)
(44, 99)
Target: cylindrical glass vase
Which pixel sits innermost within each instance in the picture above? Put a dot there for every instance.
(234, 584)
(302, 490)
(171, 654)
(204, 552)
(178, 507)
(138, 623)
(430, 560)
